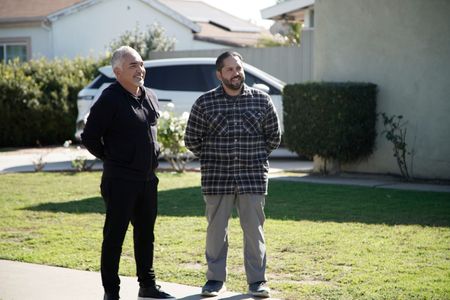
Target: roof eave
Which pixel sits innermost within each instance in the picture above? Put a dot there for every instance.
(23, 21)
(219, 41)
(278, 11)
(71, 10)
(173, 14)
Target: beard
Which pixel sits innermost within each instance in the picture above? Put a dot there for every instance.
(138, 81)
(236, 85)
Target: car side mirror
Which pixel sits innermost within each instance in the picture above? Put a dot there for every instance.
(261, 87)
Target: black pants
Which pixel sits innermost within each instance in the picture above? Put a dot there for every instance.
(126, 201)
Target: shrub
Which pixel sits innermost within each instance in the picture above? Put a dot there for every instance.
(38, 100)
(171, 130)
(395, 132)
(332, 120)
(19, 106)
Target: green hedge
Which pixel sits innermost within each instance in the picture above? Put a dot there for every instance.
(332, 120)
(38, 100)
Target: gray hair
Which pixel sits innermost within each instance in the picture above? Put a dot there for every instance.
(119, 54)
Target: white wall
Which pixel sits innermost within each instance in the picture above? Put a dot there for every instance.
(89, 31)
(40, 38)
(404, 48)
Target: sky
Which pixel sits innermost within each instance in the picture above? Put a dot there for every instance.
(245, 9)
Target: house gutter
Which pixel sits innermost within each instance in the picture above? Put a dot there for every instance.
(22, 21)
(71, 10)
(47, 26)
(219, 41)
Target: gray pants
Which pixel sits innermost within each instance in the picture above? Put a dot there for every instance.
(250, 209)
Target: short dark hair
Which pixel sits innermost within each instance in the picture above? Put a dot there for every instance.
(223, 56)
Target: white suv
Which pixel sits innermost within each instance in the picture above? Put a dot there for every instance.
(179, 81)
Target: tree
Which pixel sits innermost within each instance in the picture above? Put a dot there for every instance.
(154, 39)
(289, 31)
(288, 34)
(294, 34)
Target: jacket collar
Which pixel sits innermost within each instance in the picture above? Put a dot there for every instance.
(150, 97)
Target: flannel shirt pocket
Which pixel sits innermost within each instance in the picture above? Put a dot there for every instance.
(218, 125)
(252, 122)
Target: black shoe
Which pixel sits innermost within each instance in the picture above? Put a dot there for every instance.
(153, 292)
(213, 288)
(259, 289)
(111, 296)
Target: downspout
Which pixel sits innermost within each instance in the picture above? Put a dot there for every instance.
(46, 24)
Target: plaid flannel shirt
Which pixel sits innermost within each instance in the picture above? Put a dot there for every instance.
(233, 137)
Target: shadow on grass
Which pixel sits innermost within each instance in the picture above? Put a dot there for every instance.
(84, 206)
(304, 201)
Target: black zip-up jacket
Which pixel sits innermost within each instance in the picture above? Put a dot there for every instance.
(121, 130)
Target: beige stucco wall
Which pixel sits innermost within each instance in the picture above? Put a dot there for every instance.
(404, 48)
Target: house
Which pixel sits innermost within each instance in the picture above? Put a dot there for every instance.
(69, 28)
(217, 26)
(404, 48)
(301, 11)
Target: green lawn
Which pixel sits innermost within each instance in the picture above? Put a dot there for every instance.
(324, 241)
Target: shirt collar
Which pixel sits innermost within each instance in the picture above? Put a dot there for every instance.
(245, 91)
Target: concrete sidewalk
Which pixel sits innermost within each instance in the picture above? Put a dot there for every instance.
(24, 281)
(373, 181)
(281, 160)
(60, 158)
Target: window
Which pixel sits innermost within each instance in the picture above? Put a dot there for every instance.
(198, 78)
(99, 81)
(194, 78)
(311, 18)
(11, 48)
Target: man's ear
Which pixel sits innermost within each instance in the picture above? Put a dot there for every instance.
(218, 75)
(117, 71)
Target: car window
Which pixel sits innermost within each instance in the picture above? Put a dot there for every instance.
(199, 78)
(251, 79)
(101, 79)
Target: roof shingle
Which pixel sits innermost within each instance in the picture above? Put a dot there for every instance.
(32, 9)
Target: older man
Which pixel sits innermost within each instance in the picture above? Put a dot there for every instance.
(121, 131)
(233, 129)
